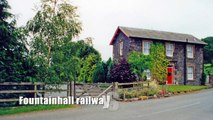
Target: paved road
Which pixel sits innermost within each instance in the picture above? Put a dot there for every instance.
(196, 106)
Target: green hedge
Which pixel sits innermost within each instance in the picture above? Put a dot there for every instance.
(178, 88)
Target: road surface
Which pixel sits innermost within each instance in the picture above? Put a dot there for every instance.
(196, 106)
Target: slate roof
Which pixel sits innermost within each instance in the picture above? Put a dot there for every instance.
(159, 35)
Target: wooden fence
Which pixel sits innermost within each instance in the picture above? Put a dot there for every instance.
(34, 91)
(67, 89)
(39, 89)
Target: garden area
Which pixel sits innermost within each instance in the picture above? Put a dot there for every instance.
(151, 90)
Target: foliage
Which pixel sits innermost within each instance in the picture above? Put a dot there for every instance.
(89, 58)
(15, 63)
(156, 62)
(85, 48)
(139, 62)
(99, 73)
(65, 64)
(159, 63)
(102, 71)
(121, 72)
(208, 69)
(138, 91)
(208, 50)
(52, 30)
(88, 67)
(179, 88)
(107, 68)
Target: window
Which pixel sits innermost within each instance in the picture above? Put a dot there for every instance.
(121, 48)
(148, 74)
(190, 73)
(169, 49)
(146, 47)
(190, 51)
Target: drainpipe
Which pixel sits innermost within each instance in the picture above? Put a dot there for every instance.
(185, 57)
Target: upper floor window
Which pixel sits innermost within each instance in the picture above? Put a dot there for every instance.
(169, 49)
(146, 47)
(121, 45)
(190, 73)
(190, 51)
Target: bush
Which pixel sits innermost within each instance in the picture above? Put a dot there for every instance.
(140, 91)
(121, 72)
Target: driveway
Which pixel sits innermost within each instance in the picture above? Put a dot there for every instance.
(196, 106)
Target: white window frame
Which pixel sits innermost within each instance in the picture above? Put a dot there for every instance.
(190, 51)
(190, 73)
(169, 49)
(121, 46)
(146, 47)
(148, 74)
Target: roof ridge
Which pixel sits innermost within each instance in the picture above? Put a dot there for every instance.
(155, 30)
(157, 34)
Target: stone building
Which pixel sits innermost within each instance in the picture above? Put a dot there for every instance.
(184, 51)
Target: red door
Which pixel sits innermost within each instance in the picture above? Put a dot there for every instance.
(170, 75)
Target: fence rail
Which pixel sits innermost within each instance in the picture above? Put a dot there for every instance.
(34, 91)
(21, 83)
(68, 89)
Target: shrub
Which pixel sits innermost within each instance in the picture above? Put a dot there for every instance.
(140, 91)
(121, 72)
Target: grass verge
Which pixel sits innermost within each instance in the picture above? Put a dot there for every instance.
(179, 88)
(31, 108)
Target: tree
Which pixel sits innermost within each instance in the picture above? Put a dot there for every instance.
(107, 68)
(208, 69)
(52, 30)
(65, 64)
(121, 72)
(55, 23)
(139, 62)
(99, 73)
(88, 67)
(208, 50)
(89, 57)
(102, 71)
(85, 48)
(159, 63)
(15, 64)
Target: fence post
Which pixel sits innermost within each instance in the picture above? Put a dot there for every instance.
(68, 89)
(73, 89)
(43, 88)
(35, 90)
(72, 92)
(115, 86)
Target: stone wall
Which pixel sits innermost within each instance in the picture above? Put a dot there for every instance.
(197, 61)
(126, 44)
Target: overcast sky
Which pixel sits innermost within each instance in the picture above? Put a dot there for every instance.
(100, 18)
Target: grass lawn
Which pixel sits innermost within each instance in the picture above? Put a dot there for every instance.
(24, 109)
(179, 88)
